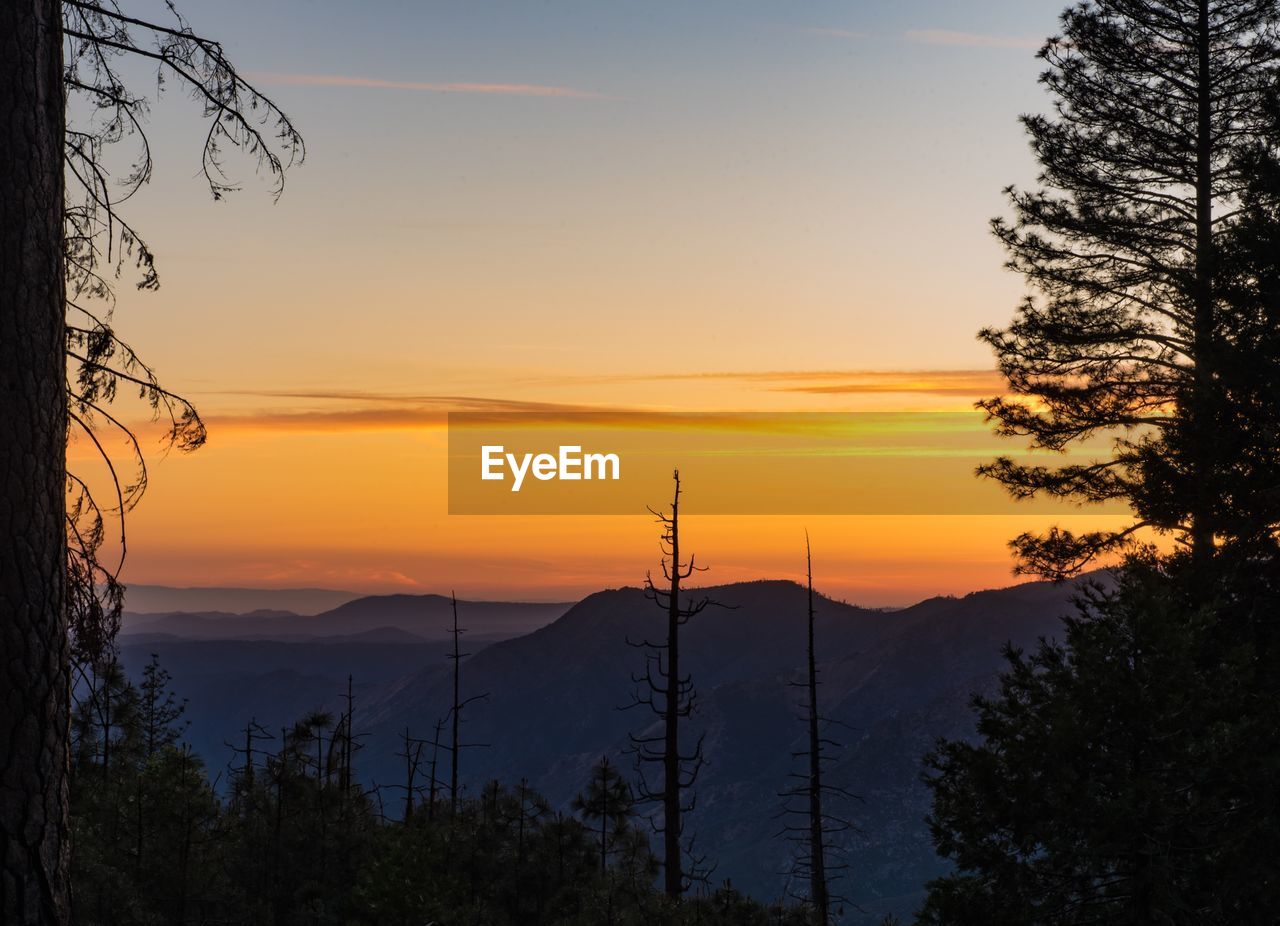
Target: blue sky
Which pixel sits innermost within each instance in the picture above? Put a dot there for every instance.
(746, 165)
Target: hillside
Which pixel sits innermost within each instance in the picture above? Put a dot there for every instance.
(898, 680)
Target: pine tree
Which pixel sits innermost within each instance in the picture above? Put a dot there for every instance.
(159, 709)
(609, 802)
(1099, 792)
(1126, 775)
(1161, 110)
(159, 713)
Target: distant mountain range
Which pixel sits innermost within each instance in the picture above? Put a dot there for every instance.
(381, 618)
(274, 666)
(161, 599)
(557, 675)
(226, 683)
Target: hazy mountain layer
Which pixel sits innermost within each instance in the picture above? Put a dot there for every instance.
(425, 617)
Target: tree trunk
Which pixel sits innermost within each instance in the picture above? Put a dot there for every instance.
(1202, 531)
(34, 673)
(457, 711)
(817, 838)
(672, 862)
(604, 817)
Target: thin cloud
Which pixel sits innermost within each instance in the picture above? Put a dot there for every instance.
(494, 412)
(295, 570)
(971, 39)
(373, 83)
(835, 33)
(446, 402)
(969, 383)
(831, 382)
(380, 411)
(391, 411)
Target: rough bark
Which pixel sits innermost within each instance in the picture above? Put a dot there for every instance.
(34, 673)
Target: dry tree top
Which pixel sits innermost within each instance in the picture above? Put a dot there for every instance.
(101, 248)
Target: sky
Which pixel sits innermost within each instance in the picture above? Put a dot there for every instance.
(731, 206)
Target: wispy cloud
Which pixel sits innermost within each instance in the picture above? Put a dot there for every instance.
(494, 413)
(374, 83)
(965, 383)
(380, 411)
(322, 410)
(278, 572)
(971, 39)
(830, 382)
(452, 403)
(835, 33)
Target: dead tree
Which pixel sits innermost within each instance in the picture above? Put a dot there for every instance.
(816, 827)
(434, 788)
(455, 710)
(412, 756)
(531, 808)
(250, 806)
(348, 743)
(343, 746)
(670, 695)
(244, 776)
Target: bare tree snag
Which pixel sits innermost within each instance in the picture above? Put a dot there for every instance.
(672, 697)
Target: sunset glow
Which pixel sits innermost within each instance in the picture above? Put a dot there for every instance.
(727, 213)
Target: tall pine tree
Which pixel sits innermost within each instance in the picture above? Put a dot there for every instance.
(1127, 775)
(1160, 111)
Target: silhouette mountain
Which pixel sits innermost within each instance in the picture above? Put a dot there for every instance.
(164, 599)
(426, 617)
(894, 680)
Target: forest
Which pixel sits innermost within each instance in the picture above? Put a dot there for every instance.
(293, 837)
(1122, 770)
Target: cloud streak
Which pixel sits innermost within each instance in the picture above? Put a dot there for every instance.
(373, 83)
(373, 411)
(970, 39)
(973, 383)
(835, 33)
(382, 411)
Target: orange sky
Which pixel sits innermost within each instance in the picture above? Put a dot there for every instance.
(719, 207)
(350, 491)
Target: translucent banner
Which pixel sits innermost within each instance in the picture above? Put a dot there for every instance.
(736, 463)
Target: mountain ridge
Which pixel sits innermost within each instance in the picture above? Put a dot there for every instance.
(426, 616)
(894, 679)
(900, 679)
